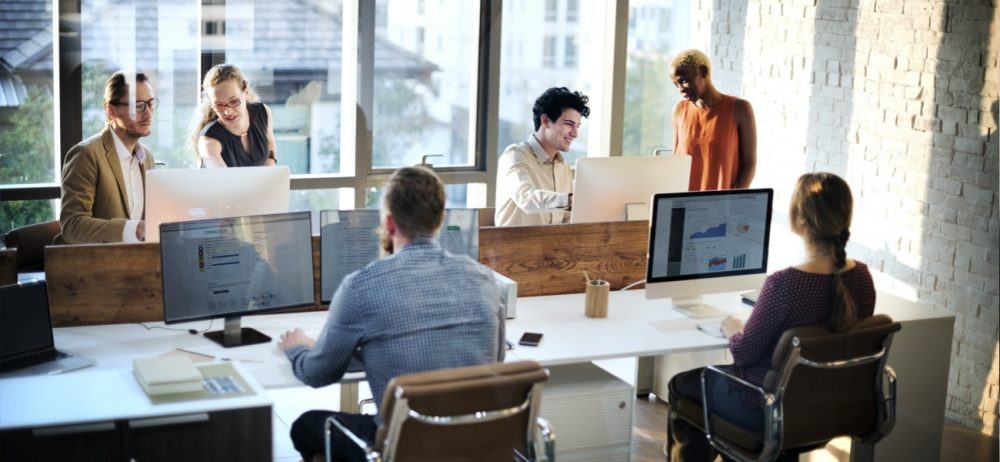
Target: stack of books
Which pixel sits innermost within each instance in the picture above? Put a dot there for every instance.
(167, 375)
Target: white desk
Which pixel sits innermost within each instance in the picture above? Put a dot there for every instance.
(105, 415)
(100, 395)
(635, 327)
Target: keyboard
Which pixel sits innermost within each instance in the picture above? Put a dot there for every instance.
(31, 360)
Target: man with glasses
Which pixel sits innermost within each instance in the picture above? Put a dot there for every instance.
(103, 181)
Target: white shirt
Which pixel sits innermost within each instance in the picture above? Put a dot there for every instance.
(530, 187)
(135, 195)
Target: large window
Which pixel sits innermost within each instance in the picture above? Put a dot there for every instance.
(27, 154)
(424, 83)
(357, 88)
(658, 29)
(523, 77)
(158, 38)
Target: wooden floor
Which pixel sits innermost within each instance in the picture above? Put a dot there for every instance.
(650, 432)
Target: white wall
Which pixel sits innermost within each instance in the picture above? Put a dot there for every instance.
(900, 98)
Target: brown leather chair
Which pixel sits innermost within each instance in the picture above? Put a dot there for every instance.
(30, 241)
(481, 413)
(821, 385)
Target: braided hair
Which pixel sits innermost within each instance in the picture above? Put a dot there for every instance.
(822, 203)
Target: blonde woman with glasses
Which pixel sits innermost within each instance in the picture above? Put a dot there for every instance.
(232, 128)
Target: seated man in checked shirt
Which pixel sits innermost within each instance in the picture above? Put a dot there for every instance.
(419, 309)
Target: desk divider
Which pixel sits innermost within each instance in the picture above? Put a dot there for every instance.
(550, 260)
(121, 283)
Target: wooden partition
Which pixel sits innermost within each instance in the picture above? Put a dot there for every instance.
(115, 283)
(548, 260)
(121, 283)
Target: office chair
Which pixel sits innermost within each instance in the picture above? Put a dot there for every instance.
(30, 241)
(821, 385)
(487, 412)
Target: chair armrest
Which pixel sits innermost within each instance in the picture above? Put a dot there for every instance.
(887, 409)
(768, 398)
(548, 438)
(370, 453)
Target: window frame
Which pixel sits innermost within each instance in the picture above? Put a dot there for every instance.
(359, 31)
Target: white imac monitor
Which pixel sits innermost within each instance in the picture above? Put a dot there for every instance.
(230, 267)
(707, 242)
(198, 194)
(619, 188)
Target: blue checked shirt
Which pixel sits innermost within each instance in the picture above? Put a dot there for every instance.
(418, 310)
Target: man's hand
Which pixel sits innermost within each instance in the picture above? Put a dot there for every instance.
(294, 338)
(731, 326)
(140, 230)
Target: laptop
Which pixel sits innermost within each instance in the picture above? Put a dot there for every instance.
(26, 342)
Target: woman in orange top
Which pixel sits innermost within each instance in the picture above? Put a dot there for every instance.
(718, 131)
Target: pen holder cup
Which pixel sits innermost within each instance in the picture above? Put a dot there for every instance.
(596, 299)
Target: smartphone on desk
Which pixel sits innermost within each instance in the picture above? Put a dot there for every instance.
(530, 339)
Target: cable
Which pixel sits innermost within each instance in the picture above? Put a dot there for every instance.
(190, 331)
(641, 281)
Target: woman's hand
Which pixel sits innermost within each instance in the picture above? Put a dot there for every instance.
(731, 326)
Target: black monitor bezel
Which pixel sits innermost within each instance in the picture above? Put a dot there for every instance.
(301, 215)
(654, 211)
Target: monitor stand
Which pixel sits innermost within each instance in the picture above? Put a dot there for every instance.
(694, 307)
(234, 336)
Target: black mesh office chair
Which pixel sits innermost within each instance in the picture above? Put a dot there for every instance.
(821, 385)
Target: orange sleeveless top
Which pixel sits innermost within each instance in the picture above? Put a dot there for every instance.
(710, 137)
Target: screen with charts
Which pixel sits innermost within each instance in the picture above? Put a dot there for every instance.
(348, 241)
(234, 266)
(708, 234)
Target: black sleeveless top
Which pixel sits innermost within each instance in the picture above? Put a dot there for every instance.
(232, 148)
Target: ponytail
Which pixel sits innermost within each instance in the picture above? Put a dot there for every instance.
(843, 313)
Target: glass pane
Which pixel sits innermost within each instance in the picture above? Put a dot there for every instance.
(527, 69)
(315, 200)
(27, 153)
(458, 196)
(658, 29)
(290, 54)
(14, 214)
(424, 82)
(159, 38)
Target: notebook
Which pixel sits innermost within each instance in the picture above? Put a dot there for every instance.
(26, 342)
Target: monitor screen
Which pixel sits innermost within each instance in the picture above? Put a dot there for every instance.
(348, 241)
(229, 267)
(619, 188)
(708, 242)
(198, 194)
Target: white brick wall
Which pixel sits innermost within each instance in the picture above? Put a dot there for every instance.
(900, 98)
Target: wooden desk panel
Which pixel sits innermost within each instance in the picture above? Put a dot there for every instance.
(550, 260)
(116, 283)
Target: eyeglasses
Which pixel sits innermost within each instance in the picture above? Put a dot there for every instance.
(231, 105)
(140, 106)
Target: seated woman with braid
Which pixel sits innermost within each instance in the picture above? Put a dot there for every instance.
(825, 288)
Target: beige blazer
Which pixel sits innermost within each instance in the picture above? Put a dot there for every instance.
(94, 202)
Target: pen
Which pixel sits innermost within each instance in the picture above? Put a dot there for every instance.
(195, 353)
(214, 357)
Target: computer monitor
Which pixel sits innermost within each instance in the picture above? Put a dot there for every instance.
(230, 267)
(197, 194)
(619, 188)
(707, 242)
(348, 241)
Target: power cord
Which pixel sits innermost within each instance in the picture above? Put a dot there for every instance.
(641, 281)
(190, 331)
